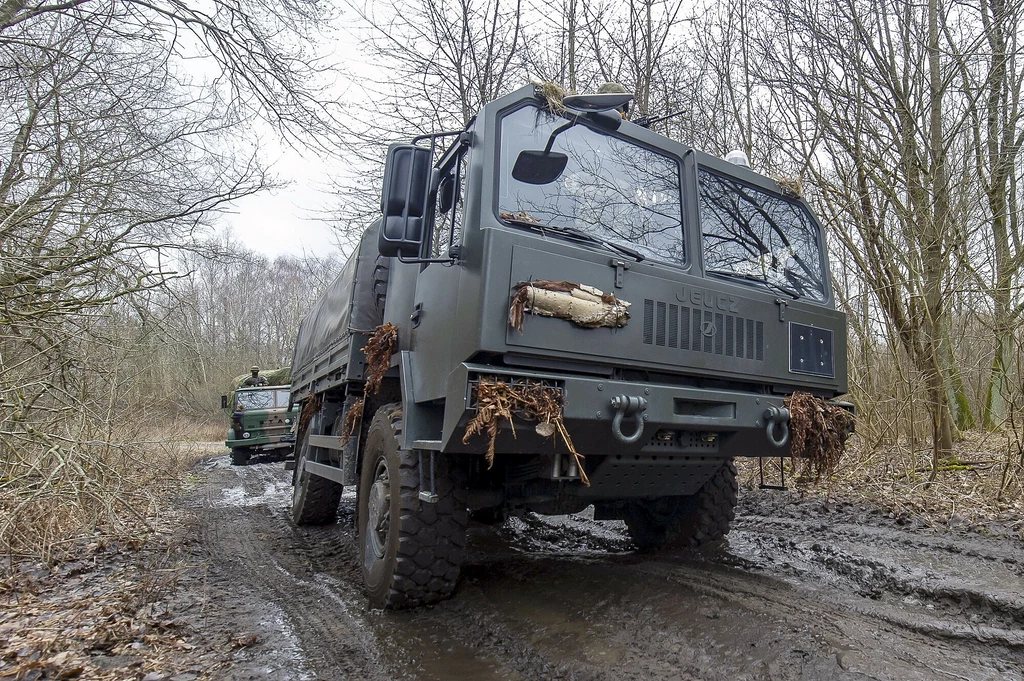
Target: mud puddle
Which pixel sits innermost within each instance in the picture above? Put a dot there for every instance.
(793, 594)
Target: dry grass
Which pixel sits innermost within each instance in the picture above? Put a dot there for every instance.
(982, 485)
(353, 418)
(497, 401)
(209, 429)
(97, 480)
(553, 94)
(819, 431)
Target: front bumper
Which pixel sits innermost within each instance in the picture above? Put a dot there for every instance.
(675, 419)
(264, 441)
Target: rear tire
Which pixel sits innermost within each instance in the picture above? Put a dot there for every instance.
(410, 551)
(686, 522)
(314, 499)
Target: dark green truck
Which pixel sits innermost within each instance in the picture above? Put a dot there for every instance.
(654, 304)
(261, 420)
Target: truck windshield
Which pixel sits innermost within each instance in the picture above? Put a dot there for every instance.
(756, 236)
(612, 189)
(261, 399)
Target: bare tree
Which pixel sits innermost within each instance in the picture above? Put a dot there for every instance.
(443, 60)
(262, 51)
(114, 161)
(992, 77)
(875, 81)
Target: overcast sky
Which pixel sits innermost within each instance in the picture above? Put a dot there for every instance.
(288, 220)
(292, 219)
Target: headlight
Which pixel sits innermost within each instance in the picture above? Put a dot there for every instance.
(287, 421)
(245, 436)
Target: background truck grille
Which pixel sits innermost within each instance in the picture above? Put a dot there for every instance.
(685, 328)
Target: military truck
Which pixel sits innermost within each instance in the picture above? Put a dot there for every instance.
(662, 303)
(262, 419)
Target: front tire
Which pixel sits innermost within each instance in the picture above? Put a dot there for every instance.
(240, 456)
(314, 499)
(686, 522)
(410, 551)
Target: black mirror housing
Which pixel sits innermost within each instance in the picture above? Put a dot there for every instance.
(539, 167)
(446, 194)
(223, 401)
(404, 200)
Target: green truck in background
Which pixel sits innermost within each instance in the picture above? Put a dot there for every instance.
(261, 418)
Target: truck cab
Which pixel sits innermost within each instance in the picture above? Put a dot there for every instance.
(261, 421)
(664, 300)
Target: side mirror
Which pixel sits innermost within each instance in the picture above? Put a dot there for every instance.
(404, 200)
(446, 194)
(539, 167)
(600, 102)
(223, 401)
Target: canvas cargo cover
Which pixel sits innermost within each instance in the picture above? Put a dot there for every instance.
(282, 376)
(346, 305)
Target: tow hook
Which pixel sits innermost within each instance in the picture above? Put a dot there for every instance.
(628, 405)
(778, 425)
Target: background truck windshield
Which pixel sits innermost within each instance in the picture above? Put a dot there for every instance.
(752, 234)
(261, 399)
(612, 189)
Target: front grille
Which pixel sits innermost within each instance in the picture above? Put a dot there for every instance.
(685, 328)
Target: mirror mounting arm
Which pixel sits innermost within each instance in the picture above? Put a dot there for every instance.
(427, 261)
(558, 131)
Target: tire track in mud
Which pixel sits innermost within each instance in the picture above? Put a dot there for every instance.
(244, 531)
(566, 597)
(974, 578)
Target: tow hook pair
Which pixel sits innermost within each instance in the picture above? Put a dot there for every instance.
(776, 419)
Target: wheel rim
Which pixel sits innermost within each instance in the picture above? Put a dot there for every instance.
(378, 506)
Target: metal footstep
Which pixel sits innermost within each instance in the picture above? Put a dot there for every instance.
(781, 484)
(427, 494)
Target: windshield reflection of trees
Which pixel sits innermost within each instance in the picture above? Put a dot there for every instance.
(611, 189)
(261, 399)
(754, 234)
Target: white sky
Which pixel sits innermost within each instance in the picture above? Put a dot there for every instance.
(293, 219)
(287, 220)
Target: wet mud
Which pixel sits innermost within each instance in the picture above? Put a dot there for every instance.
(797, 591)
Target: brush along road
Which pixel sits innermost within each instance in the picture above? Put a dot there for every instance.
(797, 593)
(560, 309)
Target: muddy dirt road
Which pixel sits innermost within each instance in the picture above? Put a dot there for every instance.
(798, 593)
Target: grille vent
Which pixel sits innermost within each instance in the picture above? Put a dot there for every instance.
(680, 326)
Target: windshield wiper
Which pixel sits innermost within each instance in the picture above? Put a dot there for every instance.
(579, 234)
(778, 288)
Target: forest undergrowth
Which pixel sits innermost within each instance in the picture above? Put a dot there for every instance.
(114, 488)
(980, 487)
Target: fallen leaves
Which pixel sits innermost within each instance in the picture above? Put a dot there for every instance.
(105, 617)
